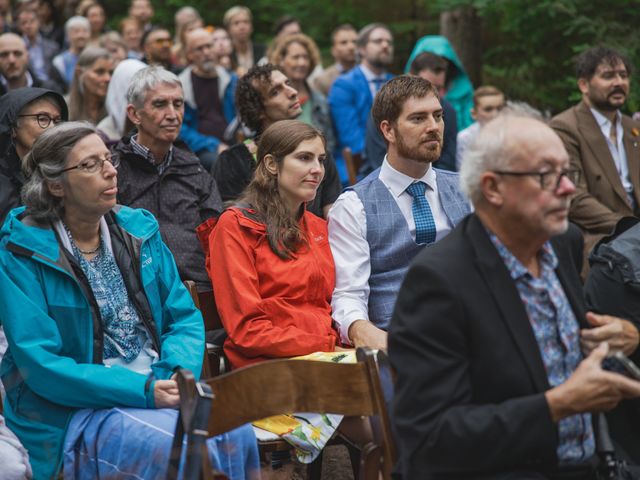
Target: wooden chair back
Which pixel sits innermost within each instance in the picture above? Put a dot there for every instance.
(214, 361)
(353, 163)
(239, 398)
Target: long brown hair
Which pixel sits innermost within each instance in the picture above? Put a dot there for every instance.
(77, 96)
(279, 140)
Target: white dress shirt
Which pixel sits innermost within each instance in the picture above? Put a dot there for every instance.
(618, 152)
(464, 139)
(371, 77)
(348, 240)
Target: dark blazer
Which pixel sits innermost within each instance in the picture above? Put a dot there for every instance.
(600, 199)
(470, 378)
(259, 51)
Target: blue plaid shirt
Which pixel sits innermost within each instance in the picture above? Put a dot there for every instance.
(558, 336)
(146, 153)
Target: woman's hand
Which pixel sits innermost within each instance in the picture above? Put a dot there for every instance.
(165, 394)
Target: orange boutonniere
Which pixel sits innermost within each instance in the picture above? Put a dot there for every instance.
(635, 132)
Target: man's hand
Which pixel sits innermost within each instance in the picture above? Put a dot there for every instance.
(618, 333)
(590, 388)
(363, 333)
(165, 394)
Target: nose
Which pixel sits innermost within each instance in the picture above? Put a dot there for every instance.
(565, 187)
(318, 167)
(292, 92)
(431, 124)
(108, 170)
(171, 111)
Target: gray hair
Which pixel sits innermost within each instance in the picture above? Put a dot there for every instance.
(491, 150)
(488, 151)
(77, 21)
(44, 163)
(148, 79)
(523, 109)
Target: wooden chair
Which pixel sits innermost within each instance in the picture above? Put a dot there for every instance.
(215, 363)
(353, 163)
(239, 398)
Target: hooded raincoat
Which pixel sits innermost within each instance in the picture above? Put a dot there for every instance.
(11, 176)
(459, 87)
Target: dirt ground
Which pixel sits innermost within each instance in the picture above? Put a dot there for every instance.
(335, 466)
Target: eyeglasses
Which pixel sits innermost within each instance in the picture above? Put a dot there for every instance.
(94, 164)
(550, 180)
(43, 119)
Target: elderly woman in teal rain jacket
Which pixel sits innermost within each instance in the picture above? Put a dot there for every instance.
(97, 322)
(459, 88)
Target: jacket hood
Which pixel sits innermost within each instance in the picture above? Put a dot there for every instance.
(116, 101)
(12, 103)
(459, 87)
(40, 239)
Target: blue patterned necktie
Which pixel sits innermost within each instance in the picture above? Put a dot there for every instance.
(377, 82)
(425, 225)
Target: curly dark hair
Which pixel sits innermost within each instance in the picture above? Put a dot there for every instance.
(588, 61)
(249, 94)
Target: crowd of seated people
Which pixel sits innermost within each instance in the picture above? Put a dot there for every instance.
(492, 252)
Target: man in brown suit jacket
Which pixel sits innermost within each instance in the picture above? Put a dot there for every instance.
(602, 143)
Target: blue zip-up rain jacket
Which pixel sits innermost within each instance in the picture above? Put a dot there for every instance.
(49, 370)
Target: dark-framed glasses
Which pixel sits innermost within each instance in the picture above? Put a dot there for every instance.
(549, 180)
(94, 164)
(43, 119)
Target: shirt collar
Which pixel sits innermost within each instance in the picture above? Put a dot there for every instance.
(369, 75)
(146, 153)
(34, 44)
(5, 83)
(604, 122)
(548, 258)
(398, 182)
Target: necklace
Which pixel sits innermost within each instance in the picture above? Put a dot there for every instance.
(84, 252)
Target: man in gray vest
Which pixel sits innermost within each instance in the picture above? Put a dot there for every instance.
(379, 225)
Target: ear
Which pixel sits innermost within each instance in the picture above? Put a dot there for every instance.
(270, 164)
(491, 190)
(133, 115)
(55, 189)
(387, 131)
(583, 85)
(474, 113)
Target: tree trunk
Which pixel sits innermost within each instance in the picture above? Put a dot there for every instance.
(463, 28)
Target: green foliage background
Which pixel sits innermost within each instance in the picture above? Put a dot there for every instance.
(529, 45)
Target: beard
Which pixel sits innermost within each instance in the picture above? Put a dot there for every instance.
(419, 152)
(604, 104)
(382, 61)
(208, 66)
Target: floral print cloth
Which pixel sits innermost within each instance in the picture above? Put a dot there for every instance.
(308, 433)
